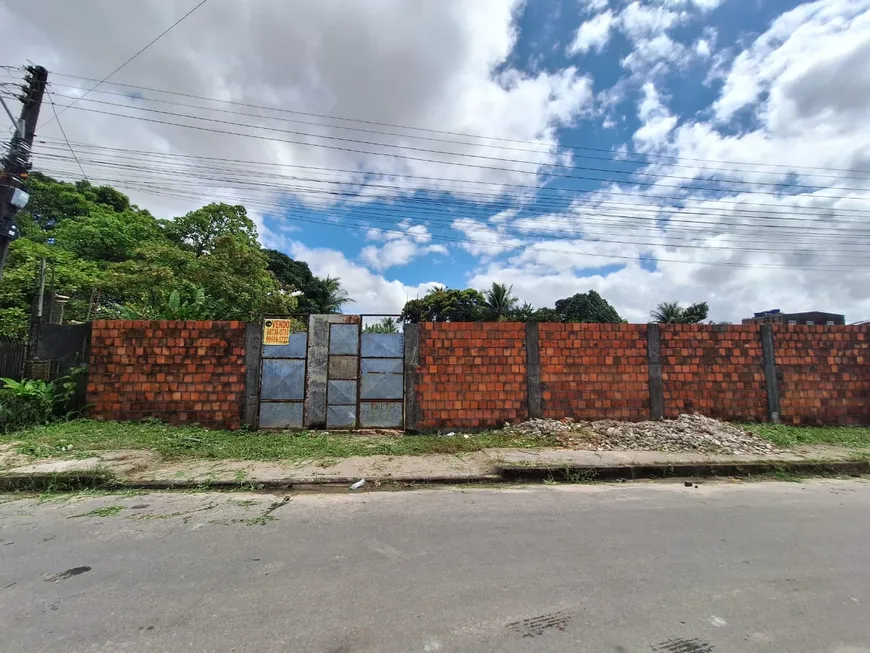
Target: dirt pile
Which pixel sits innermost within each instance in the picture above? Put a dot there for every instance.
(687, 433)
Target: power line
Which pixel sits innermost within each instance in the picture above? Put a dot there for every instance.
(63, 131)
(639, 258)
(464, 164)
(486, 201)
(779, 232)
(468, 135)
(379, 216)
(549, 149)
(123, 65)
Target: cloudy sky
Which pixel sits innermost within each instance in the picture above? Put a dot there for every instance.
(652, 150)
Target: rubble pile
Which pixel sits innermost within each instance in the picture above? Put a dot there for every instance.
(687, 433)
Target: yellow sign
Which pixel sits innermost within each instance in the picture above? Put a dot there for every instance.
(276, 332)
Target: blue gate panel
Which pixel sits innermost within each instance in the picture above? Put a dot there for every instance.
(338, 417)
(382, 414)
(344, 339)
(283, 378)
(341, 393)
(381, 386)
(381, 365)
(383, 345)
(283, 415)
(296, 349)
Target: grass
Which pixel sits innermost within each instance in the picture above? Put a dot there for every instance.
(191, 442)
(105, 511)
(786, 436)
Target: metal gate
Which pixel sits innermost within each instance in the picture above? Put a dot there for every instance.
(334, 376)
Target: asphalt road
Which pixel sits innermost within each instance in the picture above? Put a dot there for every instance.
(618, 569)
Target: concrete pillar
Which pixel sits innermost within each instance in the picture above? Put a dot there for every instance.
(770, 384)
(253, 355)
(654, 360)
(412, 362)
(533, 370)
(317, 371)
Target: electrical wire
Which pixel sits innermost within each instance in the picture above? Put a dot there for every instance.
(379, 216)
(128, 61)
(550, 150)
(63, 131)
(402, 148)
(646, 155)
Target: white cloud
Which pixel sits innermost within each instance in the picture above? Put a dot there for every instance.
(788, 59)
(594, 34)
(400, 247)
(372, 293)
(483, 240)
(388, 61)
(657, 122)
(640, 21)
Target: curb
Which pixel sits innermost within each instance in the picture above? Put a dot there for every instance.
(580, 473)
(70, 481)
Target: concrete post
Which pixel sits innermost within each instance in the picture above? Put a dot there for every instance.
(770, 384)
(317, 371)
(253, 355)
(412, 362)
(533, 370)
(654, 360)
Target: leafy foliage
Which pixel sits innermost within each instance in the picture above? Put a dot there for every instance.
(114, 259)
(32, 402)
(673, 313)
(500, 303)
(446, 305)
(318, 295)
(386, 325)
(586, 307)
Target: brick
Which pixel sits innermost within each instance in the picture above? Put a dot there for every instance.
(163, 369)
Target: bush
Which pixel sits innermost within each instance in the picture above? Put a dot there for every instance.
(32, 402)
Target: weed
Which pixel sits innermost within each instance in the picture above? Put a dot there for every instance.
(784, 435)
(194, 442)
(259, 520)
(105, 511)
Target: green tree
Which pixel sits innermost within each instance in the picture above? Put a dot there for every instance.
(385, 325)
(235, 275)
(446, 305)
(105, 235)
(499, 303)
(201, 229)
(673, 313)
(586, 307)
(335, 296)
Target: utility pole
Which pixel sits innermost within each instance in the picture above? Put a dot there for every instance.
(16, 166)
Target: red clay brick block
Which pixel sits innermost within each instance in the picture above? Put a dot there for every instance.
(471, 374)
(143, 369)
(714, 370)
(823, 374)
(594, 371)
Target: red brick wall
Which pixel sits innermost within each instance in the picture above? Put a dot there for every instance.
(180, 372)
(471, 375)
(717, 371)
(594, 371)
(823, 373)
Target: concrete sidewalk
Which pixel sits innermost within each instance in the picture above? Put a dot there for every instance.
(145, 469)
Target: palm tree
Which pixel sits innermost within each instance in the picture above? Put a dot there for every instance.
(386, 325)
(336, 296)
(500, 302)
(668, 313)
(673, 313)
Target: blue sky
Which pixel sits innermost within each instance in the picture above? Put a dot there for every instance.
(772, 95)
